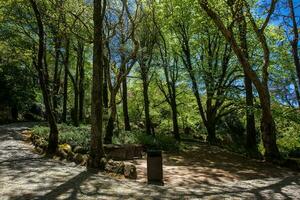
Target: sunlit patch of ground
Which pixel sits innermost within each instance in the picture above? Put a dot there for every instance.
(202, 172)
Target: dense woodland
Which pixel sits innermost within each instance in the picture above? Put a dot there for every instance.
(223, 72)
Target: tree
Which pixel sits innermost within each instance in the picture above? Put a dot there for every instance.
(39, 65)
(96, 149)
(121, 65)
(147, 39)
(267, 122)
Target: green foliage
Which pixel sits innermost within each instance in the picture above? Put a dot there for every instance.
(288, 128)
(80, 136)
(75, 136)
(160, 141)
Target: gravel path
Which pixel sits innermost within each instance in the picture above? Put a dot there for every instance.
(205, 173)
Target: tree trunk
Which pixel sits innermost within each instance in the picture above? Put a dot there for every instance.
(96, 149)
(146, 105)
(56, 78)
(81, 87)
(251, 143)
(295, 40)
(267, 122)
(211, 132)
(53, 136)
(112, 118)
(66, 68)
(105, 87)
(125, 105)
(174, 118)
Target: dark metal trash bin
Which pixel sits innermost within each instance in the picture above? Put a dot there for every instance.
(155, 167)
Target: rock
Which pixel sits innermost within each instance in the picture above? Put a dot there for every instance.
(41, 142)
(85, 159)
(39, 150)
(124, 152)
(130, 172)
(65, 147)
(115, 167)
(71, 156)
(61, 153)
(79, 149)
(78, 158)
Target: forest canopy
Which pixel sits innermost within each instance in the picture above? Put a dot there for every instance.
(224, 72)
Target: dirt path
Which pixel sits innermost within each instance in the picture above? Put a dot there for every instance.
(201, 173)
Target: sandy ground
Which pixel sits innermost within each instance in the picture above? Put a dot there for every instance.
(202, 172)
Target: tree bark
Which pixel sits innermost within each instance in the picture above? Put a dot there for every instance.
(53, 136)
(56, 77)
(66, 69)
(81, 87)
(175, 119)
(251, 143)
(112, 118)
(125, 105)
(96, 148)
(146, 105)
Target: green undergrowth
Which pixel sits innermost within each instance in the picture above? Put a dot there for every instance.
(80, 136)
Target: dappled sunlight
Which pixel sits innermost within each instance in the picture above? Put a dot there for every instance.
(192, 174)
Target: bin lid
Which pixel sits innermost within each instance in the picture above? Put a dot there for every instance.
(153, 152)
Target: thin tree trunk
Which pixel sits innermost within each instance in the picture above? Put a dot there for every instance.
(66, 68)
(81, 91)
(146, 105)
(125, 105)
(174, 113)
(56, 78)
(96, 148)
(251, 143)
(112, 118)
(53, 136)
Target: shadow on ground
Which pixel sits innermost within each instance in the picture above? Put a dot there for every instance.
(203, 172)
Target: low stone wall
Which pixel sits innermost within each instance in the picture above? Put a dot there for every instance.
(124, 152)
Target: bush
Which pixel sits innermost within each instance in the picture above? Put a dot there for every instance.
(160, 141)
(75, 136)
(80, 136)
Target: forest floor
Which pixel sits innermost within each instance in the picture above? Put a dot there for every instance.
(201, 172)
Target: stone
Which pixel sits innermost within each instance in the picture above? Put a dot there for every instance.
(115, 167)
(71, 156)
(65, 147)
(130, 172)
(124, 152)
(39, 150)
(61, 153)
(78, 158)
(79, 149)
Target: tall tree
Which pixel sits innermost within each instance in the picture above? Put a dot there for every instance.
(251, 142)
(96, 149)
(267, 122)
(121, 66)
(39, 65)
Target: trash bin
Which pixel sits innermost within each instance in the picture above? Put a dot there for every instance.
(155, 167)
